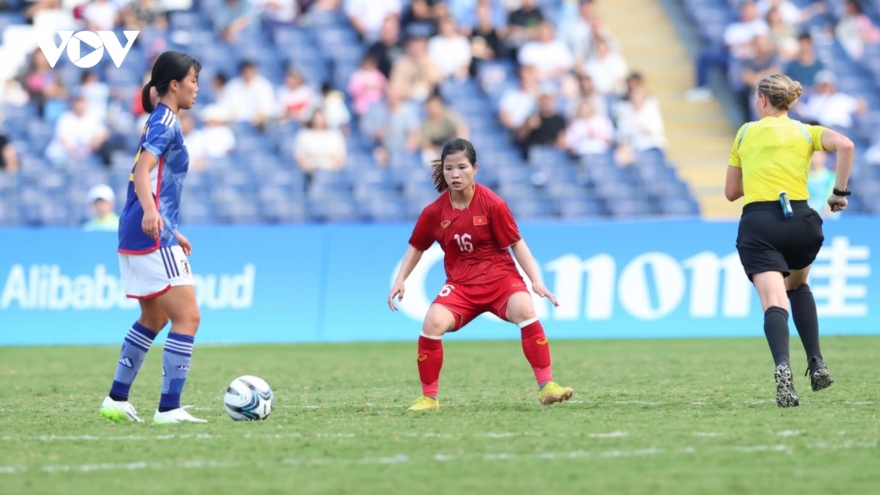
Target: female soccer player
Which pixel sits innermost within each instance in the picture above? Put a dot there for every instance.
(777, 243)
(475, 229)
(152, 253)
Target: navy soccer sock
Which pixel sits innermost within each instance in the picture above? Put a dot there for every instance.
(134, 350)
(175, 368)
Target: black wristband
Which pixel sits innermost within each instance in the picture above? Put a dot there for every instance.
(838, 192)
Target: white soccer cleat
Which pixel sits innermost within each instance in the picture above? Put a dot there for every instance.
(119, 411)
(178, 415)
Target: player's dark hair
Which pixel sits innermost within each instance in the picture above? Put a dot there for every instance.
(453, 146)
(170, 66)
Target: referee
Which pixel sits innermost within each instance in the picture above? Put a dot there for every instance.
(779, 235)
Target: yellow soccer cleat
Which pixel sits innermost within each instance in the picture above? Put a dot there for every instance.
(553, 393)
(425, 404)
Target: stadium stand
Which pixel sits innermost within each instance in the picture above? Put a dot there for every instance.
(319, 111)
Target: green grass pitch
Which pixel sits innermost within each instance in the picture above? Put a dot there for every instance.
(648, 416)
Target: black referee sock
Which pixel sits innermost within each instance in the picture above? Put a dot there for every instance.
(776, 330)
(803, 312)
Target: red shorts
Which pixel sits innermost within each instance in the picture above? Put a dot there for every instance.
(469, 301)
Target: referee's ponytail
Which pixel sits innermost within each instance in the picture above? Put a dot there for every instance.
(170, 66)
(780, 90)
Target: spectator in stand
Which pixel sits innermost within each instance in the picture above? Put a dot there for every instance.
(249, 97)
(450, 51)
(516, 105)
(590, 132)
(441, 124)
(550, 56)
(586, 92)
(233, 18)
(367, 16)
(639, 122)
(791, 14)
(44, 87)
(388, 49)
(104, 217)
(319, 147)
(486, 39)
(523, 24)
(805, 67)
(277, 13)
(466, 14)
(577, 33)
(96, 92)
(828, 107)
(416, 71)
(12, 93)
(544, 128)
(214, 140)
(419, 20)
(782, 35)
(100, 15)
(295, 98)
(335, 111)
(738, 38)
(394, 125)
(607, 68)
(764, 63)
(218, 86)
(366, 86)
(8, 156)
(78, 135)
(854, 30)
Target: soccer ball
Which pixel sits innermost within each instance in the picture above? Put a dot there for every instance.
(248, 398)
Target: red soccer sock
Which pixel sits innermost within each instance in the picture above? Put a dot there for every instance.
(430, 361)
(537, 350)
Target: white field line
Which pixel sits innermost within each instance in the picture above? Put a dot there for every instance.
(440, 457)
(338, 435)
(613, 434)
(790, 433)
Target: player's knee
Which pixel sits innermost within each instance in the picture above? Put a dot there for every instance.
(188, 322)
(436, 326)
(154, 323)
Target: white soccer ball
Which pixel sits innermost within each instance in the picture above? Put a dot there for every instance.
(248, 398)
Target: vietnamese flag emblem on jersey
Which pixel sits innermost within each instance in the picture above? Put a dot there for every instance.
(481, 220)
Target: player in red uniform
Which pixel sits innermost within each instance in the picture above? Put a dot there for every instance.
(475, 229)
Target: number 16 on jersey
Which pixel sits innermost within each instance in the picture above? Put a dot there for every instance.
(464, 242)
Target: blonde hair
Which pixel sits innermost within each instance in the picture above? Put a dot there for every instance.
(780, 90)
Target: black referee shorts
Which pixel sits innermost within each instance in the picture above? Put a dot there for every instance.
(767, 241)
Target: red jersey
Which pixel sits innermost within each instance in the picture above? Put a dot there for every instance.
(475, 239)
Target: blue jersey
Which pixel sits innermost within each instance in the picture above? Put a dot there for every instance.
(163, 138)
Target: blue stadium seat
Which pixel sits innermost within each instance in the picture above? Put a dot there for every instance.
(570, 209)
(532, 208)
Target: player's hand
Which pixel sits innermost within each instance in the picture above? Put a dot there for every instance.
(837, 203)
(398, 291)
(542, 291)
(184, 243)
(152, 224)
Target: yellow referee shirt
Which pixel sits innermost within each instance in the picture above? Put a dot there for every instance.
(774, 154)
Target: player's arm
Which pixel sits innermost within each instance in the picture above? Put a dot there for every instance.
(733, 186)
(410, 260)
(524, 256)
(152, 222)
(844, 147)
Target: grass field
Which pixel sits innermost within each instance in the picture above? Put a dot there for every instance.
(659, 417)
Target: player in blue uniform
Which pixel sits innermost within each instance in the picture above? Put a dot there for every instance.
(152, 254)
